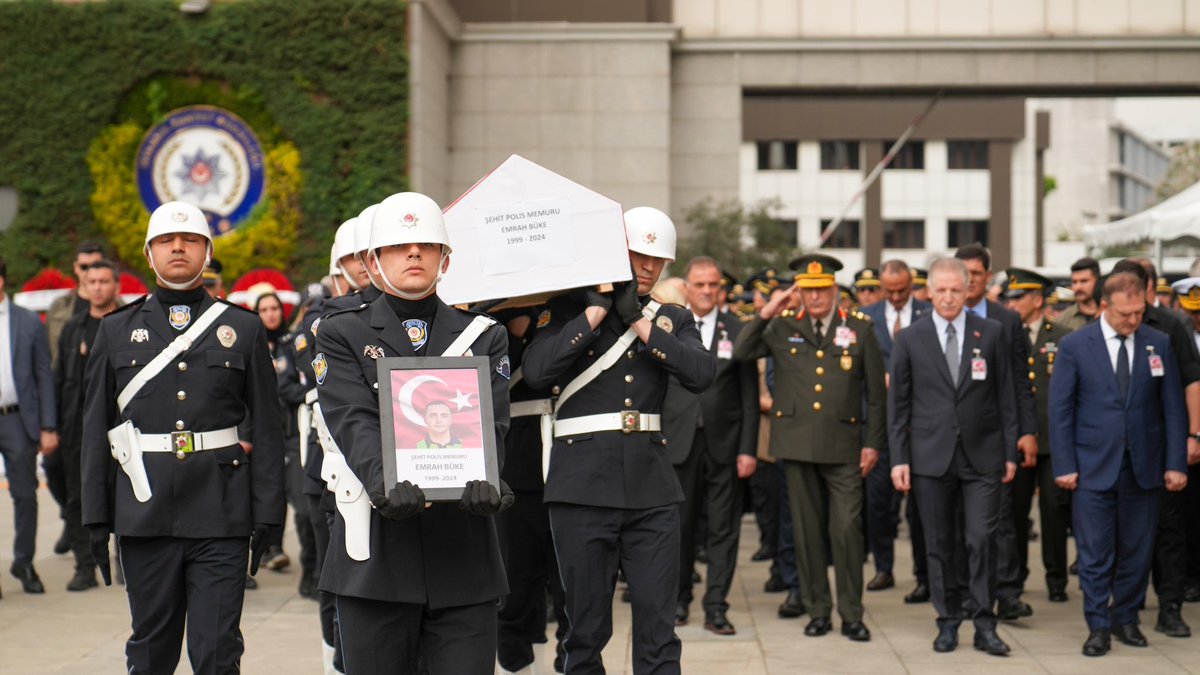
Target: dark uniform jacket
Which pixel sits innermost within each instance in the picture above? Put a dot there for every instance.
(820, 386)
(210, 493)
(1186, 355)
(1014, 332)
(728, 408)
(611, 468)
(1040, 372)
(442, 557)
(523, 444)
(69, 386)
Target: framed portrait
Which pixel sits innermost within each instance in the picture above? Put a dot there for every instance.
(436, 422)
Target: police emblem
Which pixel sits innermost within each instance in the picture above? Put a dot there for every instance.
(409, 220)
(301, 343)
(314, 326)
(180, 316)
(664, 322)
(504, 368)
(281, 365)
(418, 332)
(320, 368)
(373, 352)
(139, 335)
(226, 336)
(543, 318)
(209, 157)
(650, 237)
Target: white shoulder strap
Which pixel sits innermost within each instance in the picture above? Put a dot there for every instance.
(606, 360)
(517, 376)
(468, 337)
(178, 346)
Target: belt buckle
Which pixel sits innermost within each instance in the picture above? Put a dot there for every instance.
(630, 421)
(183, 442)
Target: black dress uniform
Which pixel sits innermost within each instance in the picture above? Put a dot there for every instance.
(432, 580)
(291, 397)
(613, 495)
(184, 552)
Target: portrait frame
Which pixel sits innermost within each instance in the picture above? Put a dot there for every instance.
(400, 423)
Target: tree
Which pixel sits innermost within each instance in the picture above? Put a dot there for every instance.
(1183, 172)
(742, 238)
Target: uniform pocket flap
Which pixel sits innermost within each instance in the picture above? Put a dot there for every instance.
(133, 358)
(218, 359)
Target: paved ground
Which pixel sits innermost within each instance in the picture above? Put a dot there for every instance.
(62, 632)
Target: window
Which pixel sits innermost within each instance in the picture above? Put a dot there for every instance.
(839, 156)
(791, 233)
(1132, 194)
(845, 236)
(967, 155)
(777, 155)
(904, 234)
(963, 232)
(911, 156)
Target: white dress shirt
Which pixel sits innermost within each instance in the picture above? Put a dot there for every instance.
(960, 327)
(1113, 344)
(708, 327)
(889, 315)
(980, 310)
(8, 385)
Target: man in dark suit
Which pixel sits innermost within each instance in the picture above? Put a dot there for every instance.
(712, 445)
(894, 313)
(953, 428)
(1118, 436)
(28, 422)
(1010, 582)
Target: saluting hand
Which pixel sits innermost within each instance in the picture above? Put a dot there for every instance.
(1067, 482)
(778, 299)
(1176, 481)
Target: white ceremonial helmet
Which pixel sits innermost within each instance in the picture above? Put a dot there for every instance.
(335, 270)
(362, 230)
(409, 218)
(178, 218)
(343, 245)
(650, 232)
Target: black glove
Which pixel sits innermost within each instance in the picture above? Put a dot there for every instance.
(402, 501)
(480, 498)
(591, 297)
(98, 544)
(258, 545)
(626, 303)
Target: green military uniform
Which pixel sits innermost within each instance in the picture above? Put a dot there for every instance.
(1053, 502)
(821, 383)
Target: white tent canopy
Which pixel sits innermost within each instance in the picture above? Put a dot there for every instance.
(1167, 221)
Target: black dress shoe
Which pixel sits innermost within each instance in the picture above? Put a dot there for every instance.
(763, 553)
(792, 607)
(881, 581)
(1130, 634)
(251, 583)
(818, 627)
(1058, 595)
(308, 588)
(919, 595)
(1191, 593)
(946, 640)
(681, 614)
(695, 577)
(715, 621)
(857, 631)
(63, 545)
(1011, 610)
(701, 555)
(774, 584)
(1073, 570)
(988, 641)
(84, 579)
(1171, 623)
(1098, 643)
(28, 578)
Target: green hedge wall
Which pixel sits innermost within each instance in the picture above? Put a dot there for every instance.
(329, 75)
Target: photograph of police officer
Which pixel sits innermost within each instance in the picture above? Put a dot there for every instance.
(438, 420)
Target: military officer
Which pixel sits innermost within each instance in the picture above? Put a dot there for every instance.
(827, 363)
(611, 488)
(429, 583)
(867, 286)
(1025, 294)
(170, 378)
(920, 284)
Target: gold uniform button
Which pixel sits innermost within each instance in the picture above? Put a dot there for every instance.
(1032, 375)
(820, 370)
(819, 388)
(628, 403)
(179, 425)
(1034, 389)
(1031, 360)
(182, 395)
(820, 353)
(792, 350)
(628, 378)
(817, 406)
(182, 366)
(853, 420)
(779, 413)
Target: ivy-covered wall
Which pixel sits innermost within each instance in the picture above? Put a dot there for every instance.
(322, 82)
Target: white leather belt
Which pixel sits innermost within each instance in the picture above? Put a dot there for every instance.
(185, 442)
(539, 406)
(627, 421)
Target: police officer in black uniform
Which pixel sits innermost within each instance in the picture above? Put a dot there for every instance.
(163, 467)
(611, 487)
(429, 585)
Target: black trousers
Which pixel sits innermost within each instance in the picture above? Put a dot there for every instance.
(388, 637)
(592, 542)
(319, 522)
(938, 499)
(77, 535)
(1054, 505)
(764, 493)
(1169, 571)
(1010, 552)
(712, 488)
(528, 552)
(882, 514)
(172, 582)
(1192, 494)
(916, 533)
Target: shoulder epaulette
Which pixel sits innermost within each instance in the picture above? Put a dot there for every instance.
(862, 317)
(134, 303)
(344, 310)
(234, 304)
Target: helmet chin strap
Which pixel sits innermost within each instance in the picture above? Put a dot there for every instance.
(405, 294)
(350, 280)
(185, 286)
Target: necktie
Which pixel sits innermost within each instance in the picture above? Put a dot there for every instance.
(896, 328)
(1123, 369)
(700, 327)
(820, 330)
(1029, 334)
(952, 351)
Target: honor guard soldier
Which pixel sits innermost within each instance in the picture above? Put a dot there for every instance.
(1025, 294)
(611, 488)
(410, 579)
(170, 378)
(827, 364)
